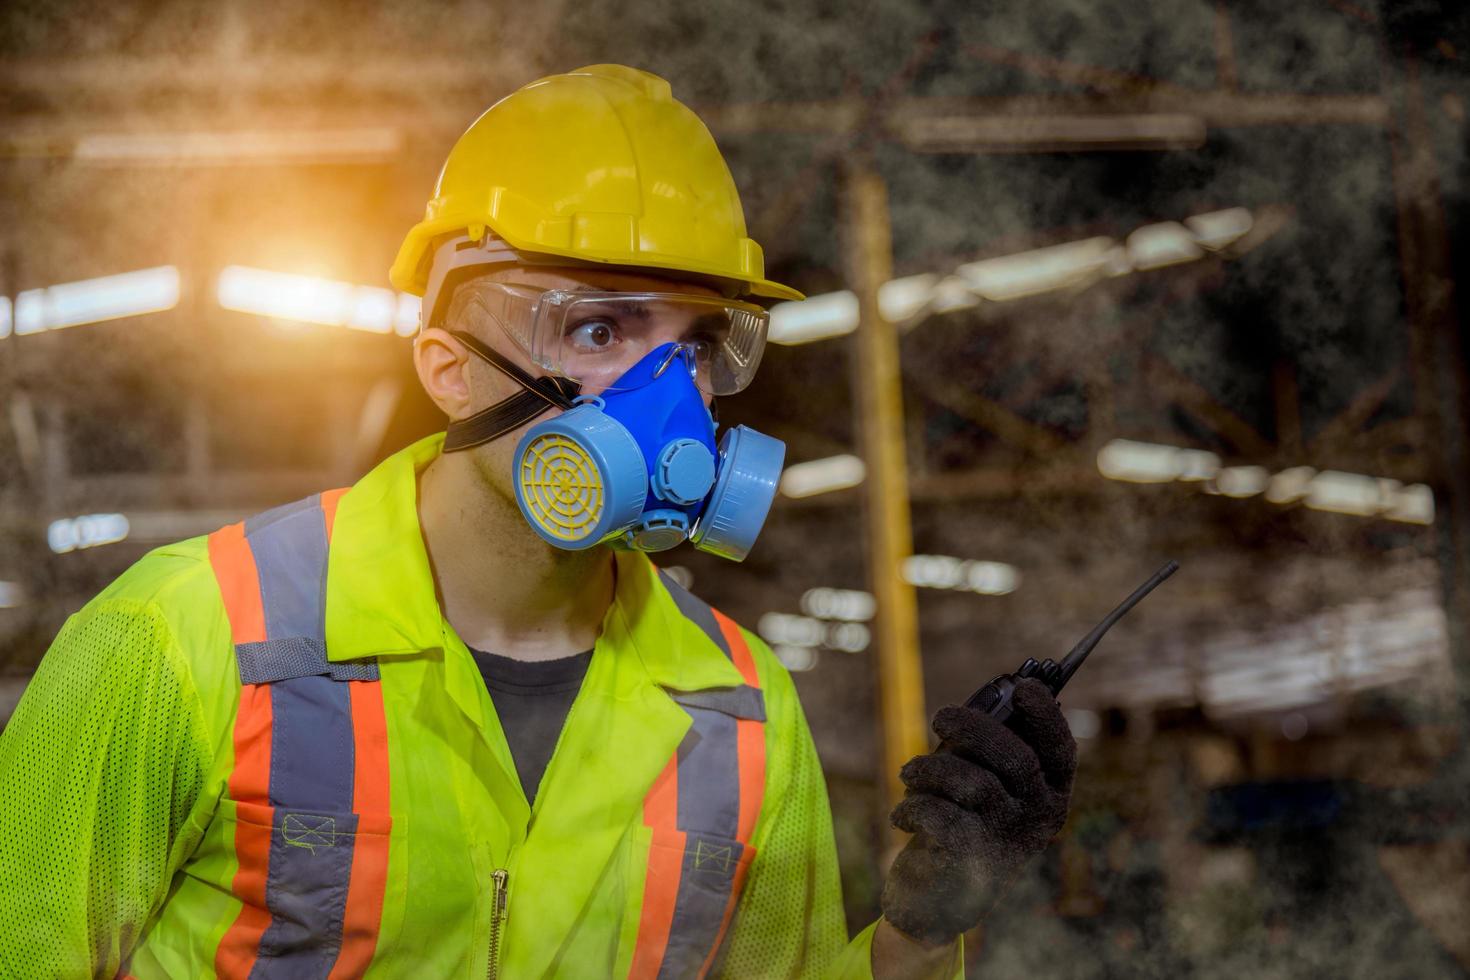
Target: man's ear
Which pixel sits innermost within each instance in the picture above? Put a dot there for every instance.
(443, 366)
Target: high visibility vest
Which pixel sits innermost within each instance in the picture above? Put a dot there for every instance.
(311, 782)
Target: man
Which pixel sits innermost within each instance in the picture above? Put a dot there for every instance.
(433, 725)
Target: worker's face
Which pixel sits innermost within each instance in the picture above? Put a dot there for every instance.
(462, 384)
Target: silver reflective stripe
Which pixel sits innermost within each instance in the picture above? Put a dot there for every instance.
(296, 656)
(696, 610)
(738, 702)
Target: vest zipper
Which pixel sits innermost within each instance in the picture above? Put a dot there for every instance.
(501, 882)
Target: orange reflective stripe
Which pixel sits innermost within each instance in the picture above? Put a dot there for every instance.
(329, 508)
(739, 649)
(249, 784)
(665, 866)
(750, 735)
(364, 910)
(239, 583)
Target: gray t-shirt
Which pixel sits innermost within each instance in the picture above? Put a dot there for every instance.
(532, 699)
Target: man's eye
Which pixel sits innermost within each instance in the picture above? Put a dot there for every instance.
(704, 348)
(593, 335)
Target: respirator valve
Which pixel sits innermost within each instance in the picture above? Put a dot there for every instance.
(684, 473)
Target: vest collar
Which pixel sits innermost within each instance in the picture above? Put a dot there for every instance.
(381, 600)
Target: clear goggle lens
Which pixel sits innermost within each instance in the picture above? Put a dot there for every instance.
(594, 337)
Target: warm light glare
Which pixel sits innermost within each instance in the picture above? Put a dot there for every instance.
(11, 595)
(309, 299)
(822, 476)
(5, 322)
(313, 145)
(94, 300)
(406, 320)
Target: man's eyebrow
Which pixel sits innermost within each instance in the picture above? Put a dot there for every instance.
(638, 311)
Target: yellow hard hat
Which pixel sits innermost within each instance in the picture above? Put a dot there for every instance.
(598, 165)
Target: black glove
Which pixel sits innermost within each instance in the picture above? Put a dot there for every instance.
(979, 813)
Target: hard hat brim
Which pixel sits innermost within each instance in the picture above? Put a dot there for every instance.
(410, 270)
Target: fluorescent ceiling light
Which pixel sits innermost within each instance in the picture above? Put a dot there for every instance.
(1146, 462)
(213, 149)
(89, 531)
(1217, 229)
(796, 659)
(1348, 493)
(848, 637)
(814, 318)
(1414, 505)
(822, 476)
(835, 314)
(899, 299)
(162, 526)
(797, 631)
(309, 299)
(844, 604)
(1290, 485)
(1162, 244)
(1329, 490)
(964, 575)
(1044, 269)
(406, 320)
(1242, 481)
(1009, 277)
(94, 300)
(1368, 496)
(952, 293)
(786, 630)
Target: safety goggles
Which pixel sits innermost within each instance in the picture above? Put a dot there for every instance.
(593, 338)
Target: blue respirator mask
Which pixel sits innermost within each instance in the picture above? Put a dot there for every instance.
(638, 464)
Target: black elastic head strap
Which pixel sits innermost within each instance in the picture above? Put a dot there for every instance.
(491, 423)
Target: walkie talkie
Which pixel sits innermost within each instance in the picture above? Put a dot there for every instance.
(995, 697)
